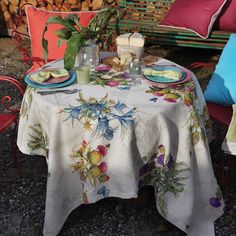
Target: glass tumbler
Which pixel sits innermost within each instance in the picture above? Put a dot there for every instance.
(135, 68)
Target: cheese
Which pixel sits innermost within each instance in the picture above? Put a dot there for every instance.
(125, 58)
(116, 60)
(137, 40)
(123, 39)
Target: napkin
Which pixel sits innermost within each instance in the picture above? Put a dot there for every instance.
(44, 75)
(170, 74)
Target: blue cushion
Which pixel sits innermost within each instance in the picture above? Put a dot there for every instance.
(222, 85)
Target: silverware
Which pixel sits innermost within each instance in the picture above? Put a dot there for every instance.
(66, 91)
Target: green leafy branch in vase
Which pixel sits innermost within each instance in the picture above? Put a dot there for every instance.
(76, 36)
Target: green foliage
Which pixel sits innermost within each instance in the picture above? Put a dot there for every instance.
(76, 36)
(73, 45)
(166, 180)
(38, 139)
(63, 33)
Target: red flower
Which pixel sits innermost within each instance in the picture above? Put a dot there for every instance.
(170, 100)
(158, 94)
(112, 83)
(102, 149)
(103, 167)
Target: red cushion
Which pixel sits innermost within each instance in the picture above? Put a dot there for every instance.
(6, 119)
(220, 114)
(227, 18)
(194, 15)
(37, 19)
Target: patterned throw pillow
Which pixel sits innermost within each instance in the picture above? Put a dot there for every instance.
(37, 19)
(227, 18)
(194, 15)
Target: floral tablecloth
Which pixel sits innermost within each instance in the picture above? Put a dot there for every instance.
(109, 141)
(229, 143)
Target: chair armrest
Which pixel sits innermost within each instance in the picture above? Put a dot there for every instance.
(7, 99)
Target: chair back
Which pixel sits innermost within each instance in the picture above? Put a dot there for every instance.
(11, 89)
(36, 18)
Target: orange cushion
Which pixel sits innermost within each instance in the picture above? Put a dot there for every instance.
(37, 19)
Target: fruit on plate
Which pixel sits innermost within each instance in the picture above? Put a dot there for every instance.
(44, 75)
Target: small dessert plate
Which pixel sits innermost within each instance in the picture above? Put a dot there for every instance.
(102, 68)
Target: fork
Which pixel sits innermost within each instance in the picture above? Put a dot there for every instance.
(66, 91)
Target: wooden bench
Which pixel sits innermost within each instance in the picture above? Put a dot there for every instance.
(145, 15)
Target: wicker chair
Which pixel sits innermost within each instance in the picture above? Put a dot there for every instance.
(9, 111)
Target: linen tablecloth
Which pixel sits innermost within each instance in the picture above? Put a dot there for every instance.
(110, 141)
(229, 143)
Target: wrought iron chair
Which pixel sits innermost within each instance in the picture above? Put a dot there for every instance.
(9, 111)
(221, 116)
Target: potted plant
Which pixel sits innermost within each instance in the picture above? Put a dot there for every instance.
(77, 36)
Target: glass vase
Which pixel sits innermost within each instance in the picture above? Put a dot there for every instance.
(89, 55)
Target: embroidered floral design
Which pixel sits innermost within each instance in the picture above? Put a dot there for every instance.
(89, 163)
(38, 139)
(207, 120)
(119, 80)
(164, 174)
(215, 201)
(153, 99)
(26, 102)
(173, 92)
(196, 128)
(186, 93)
(85, 198)
(104, 191)
(102, 111)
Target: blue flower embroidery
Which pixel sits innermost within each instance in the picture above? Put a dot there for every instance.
(103, 111)
(104, 191)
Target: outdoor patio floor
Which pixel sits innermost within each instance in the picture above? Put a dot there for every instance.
(22, 199)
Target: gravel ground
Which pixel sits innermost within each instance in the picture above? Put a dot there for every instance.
(22, 199)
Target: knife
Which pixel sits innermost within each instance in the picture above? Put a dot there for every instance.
(66, 91)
